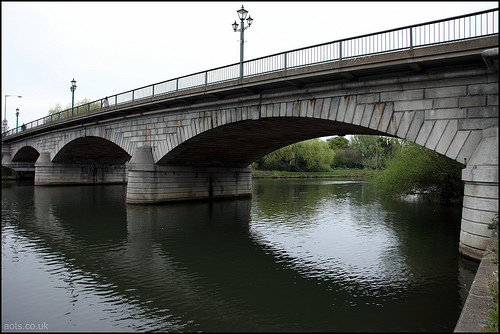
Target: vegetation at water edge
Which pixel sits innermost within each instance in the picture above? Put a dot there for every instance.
(395, 167)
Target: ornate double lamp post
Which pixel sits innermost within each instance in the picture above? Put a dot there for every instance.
(72, 88)
(242, 14)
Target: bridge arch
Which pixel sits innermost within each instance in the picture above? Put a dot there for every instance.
(91, 149)
(26, 154)
(236, 137)
(21, 162)
(240, 143)
(112, 139)
(82, 160)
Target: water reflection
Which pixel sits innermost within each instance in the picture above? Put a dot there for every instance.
(340, 231)
(308, 255)
(369, 250)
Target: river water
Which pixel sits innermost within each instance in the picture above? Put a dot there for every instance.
(300, 255)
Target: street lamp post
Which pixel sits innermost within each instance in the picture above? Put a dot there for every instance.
(17, 118)
(242, 14)
(72, 88)
(4, 125)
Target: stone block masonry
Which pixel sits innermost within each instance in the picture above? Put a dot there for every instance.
(48, 173)
(149, 183)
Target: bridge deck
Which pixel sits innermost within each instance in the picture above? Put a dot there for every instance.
(465, 53)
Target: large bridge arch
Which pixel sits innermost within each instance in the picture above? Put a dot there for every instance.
(429, 117)
(241, 143)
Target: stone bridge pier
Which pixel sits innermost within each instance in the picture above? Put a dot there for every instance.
(152, 183)
(480, 203)
(53, 173)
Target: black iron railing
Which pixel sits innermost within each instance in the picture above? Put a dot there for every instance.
(479, 24)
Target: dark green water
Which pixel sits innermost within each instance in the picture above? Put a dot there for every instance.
(301, 255)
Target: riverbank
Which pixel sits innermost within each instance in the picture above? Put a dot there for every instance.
(9, 174)
(475, 314)
(340, 173)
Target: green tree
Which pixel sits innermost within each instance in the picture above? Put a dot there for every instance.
(280, 159)
(316, 154)
(338, 142)
(55, 109)
(375, 150)
(347, 158)
(312, 155)
(416, 169)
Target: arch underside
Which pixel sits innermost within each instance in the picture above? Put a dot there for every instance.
(92, 150)
(240, 144)
(26, 154)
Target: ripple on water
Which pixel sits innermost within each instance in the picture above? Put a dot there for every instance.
(301, 260)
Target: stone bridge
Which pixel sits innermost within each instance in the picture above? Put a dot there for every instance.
(199, 143)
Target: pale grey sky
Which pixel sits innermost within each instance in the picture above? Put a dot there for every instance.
(112, 47)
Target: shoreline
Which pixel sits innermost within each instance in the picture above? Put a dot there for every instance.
(344, 173)
(475, 313)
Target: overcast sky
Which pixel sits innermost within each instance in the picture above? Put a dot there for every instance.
(112, 47)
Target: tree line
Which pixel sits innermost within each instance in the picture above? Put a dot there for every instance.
(401, 167)
(316, 155)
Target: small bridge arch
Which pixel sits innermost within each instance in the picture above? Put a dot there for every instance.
(91, 149)
(27, 154)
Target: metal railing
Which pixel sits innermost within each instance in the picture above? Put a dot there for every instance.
(479, 24)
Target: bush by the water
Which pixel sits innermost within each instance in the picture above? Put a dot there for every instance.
(416, 169)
